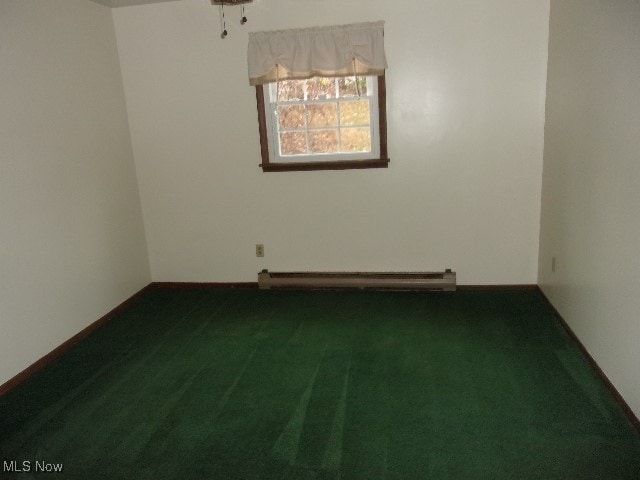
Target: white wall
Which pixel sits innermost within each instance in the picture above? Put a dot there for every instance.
(591, 183)
(72, 243)
(466, 89)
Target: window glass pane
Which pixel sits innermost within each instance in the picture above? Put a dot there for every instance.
(323, 115)
(319, 88)
(291, 90)
(356, 140)
(292, 116)
(323, 141)
(347, 86)
(293, 143)
(355, 112)
(312, 126)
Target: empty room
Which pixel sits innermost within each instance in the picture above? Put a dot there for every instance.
(319, 239)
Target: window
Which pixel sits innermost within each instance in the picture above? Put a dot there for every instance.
(323, 123)
(321, 96)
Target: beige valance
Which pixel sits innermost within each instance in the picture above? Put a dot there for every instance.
(341, 50)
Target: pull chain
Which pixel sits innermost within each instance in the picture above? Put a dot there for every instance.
(223, 18)
(224, 23)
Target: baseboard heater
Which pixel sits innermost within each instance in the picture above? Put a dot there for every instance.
(442, 281)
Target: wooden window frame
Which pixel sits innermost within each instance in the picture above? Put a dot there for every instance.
(381, 162)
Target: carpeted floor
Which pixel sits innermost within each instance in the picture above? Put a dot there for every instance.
(248, 384)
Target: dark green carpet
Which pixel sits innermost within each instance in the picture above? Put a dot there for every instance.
(246, 384)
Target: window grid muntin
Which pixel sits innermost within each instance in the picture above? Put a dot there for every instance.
(341, 155)
(339, 127)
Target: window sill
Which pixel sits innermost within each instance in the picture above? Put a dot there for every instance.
(338, 165)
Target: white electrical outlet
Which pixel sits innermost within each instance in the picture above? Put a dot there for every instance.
(259, 250)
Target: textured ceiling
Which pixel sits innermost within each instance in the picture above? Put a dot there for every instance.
(128, 3)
